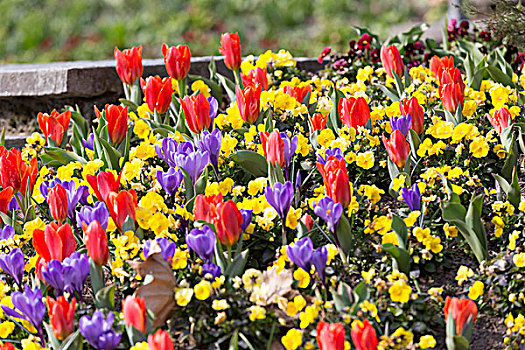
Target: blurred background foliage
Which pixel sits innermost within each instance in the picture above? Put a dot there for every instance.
(56, 30)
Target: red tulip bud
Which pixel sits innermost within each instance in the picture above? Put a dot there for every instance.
(134, 310)
(228, 223)
(205, 207)
(55, 242)
(437, 65)
(273, 146)
(392, 61)
(103, 184)
(307, 221)
(354, 112)
(317, 122)
(256, 77)
(249, 102)
(397, 148)
(129, 64)
(416, 112)
(58, 203)
(231, 50)
(364, 336)
(330, 336)
(96, 243)
(16, 172)
(158, 93)
(336, 181)
(177, 60)
(117, 118)
(197, 112)
(54, 126)
(61, 316)
(461, 310)
(452, 89)
(501, 119)
(121, 206)
(160, 341)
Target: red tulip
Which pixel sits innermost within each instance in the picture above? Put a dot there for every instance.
(364, 336)
(438, 64)
(452, 89)
(397, 148)
(177, 60)
(103, 184)
(7, 346)
(317, 122)
(134, 310)
(121, 206)
(273, 146)
(354, 112)
(228, 222)
(501, 119)
(256, 77)
(249, 102)
(231, 50)
(158, 93)
(392, 61)
(129, 64)
(330, 336)
(307, 221)
(5, 197)
(117, 118)
(205, 207)
(61, 316)
(54, 125)
(160, 341)
(197, 112)
(299, 93)
(96, 243)
(335, 178)
(416, 112)
(461, 311)
(58, 203)
(16, 172)
(55, 242)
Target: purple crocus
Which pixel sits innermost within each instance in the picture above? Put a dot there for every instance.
(167, 150)
(290, 146)
(401, 123)
(170, 180)
(412, 197)
(202, 241)
(89, 214)
(212, 269)
(300, 253)
(329, 211)
(319, 259)
(336, 152)
(280, 197)
(54, 275)
(214, 108)
(13, 205)
(77, 267)
(29, 306)
(98, 331)
(167, 248)
(211, 143)
(246, 218)
(74, 195)
(7, 232)
(89, 143)
(193, 161)
(13, 264)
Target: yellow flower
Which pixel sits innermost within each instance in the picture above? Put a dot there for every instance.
(293, 339)
(180, 259)
(469, 108)
(257, 313)
(141, 129)
(292, 219)
(183, 296)
(228, 145)
(390, 237)
(450, 231)
(251, 278)
(202, 290)
(421, 234)
(140, 346)
(372, 192)
(427, 341)
(308, 316)
(476, 290)
(365, 160)
(153, 202)
(412, 218)
(367, 276)
(199, 85)
(303, 147)
(325, 137)
(464, 273)
(371, 308)
(499, 96)
(295, 306)
(400, 291)
(479, 147)
(6, 328)
(519, 259)
(398, 182)
(433, 244)
(219, 305)
(302, 277)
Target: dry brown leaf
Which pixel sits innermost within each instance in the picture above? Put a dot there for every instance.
(273, 286)
(159, 293)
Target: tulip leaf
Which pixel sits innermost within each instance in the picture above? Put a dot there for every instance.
(391, 94)
(111, 154)
(97, 276)
(342, 296)
(129, 225)
(72, 342)
(215, 89)
(507, 138)
(128, 103)
(401, 257)
(393, 170)
(236, 268)
(344, 236)
(511, 190)
(228, 85)
(252, 162)
(57, 157)
(134, 335)
(360, 294)
(80, 122)
(511, 161)
(234, 340)
(414, 141)
(333, 121)
(400, 228)
(188, 184)
(55, 343)
(499, 76)
(105, 297)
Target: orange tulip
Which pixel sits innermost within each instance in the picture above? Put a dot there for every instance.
(354, 112)
(16, 172)
(461, 310)
(397, 148)
(61, 316)
(452, 89)
(392, 61)
(129, 64)
(55, 242)
(438, 64)
(417, 114)
(54, 126)
(121, 206)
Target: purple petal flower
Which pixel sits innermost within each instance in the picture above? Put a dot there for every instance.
(246, 218)
(98, 331)
(170, 180)
(167, 150)
(167, 248)
(13, 205)
(193, 161)
(30, 307)
(7, 232)
(300, 253)
(330, 152)
(401, 123)
(89, 143)
(319, 259)
(212, 269)
(329, 211)
(214, 107)
(13, 263)
(54, 274)
(89, 214)
(74, 195)
(202, 242)
(412, 197)
(290, 146)
(211, 143)
(280, 197)
(77, 267)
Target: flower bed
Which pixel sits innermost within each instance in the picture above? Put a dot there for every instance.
(374, 205)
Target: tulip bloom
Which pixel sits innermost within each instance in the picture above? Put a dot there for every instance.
(438, 64)
(61, 316)
(160, 341)
(500, 120)
(353, 111)
(205, 207)
(231, 50)
(249, 102)
(54, 125)
(417, 114)
(364, 336)
(134, 310)
(452, 89)
(307, 221)
(58, 202)
(335, 178)
(273, 146)
(103, 184)
(55, 242)
(197, 112)
(5, 198)
(299, 93)
(397, 148)
(121, 206)
(461, 311)
(256, 77)
(330, 336)
(96, 243)
(392, 61)
(117, 118)
(177, 60)
(228, 221)
(129, 64)
(317, 122)
(157, 92)
(16, 172)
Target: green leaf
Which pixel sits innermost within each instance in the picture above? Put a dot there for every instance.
(393, 171)
(55, 343)
(401, 257)
(499, 76)
(252, 162)
(80, 122)
(344, 236)
(360, 293)
(234, 340)
(334, 121)
(73, 342)
(236, 267)
(228, 85)
(342, 297)
(511, 190)
(507, 138)
(129, 225)
(111, 154)
(134, 335)
(130, 104)
(400, 228)
(473, 219)
(188, 184)
(415, 141)
(391, 94)
(105, 297)
(57, 156)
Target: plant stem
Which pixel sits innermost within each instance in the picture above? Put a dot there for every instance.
(181, 84)
(284, 242)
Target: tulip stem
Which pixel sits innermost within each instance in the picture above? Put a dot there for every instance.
(284, 232)
(181, 85)
(238, 80)
(229, 255)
